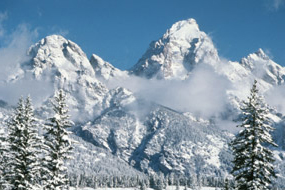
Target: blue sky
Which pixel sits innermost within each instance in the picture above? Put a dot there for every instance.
(120, 31)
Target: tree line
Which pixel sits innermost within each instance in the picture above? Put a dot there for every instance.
(154, 181)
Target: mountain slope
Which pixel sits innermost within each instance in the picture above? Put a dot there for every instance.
(159, 139)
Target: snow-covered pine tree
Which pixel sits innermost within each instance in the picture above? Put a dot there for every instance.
(3, 159)
(177, 186)
(23, 142)
(57, 144)
(227, 185)
(142, 185)
(253, 161)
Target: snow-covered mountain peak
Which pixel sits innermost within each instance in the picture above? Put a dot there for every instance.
(260, 53)
(175, 55)
(97, 61)
(261, 66)
(61, 64)
(104, 70)
(57, 42)
(185, 29)
(56, 52)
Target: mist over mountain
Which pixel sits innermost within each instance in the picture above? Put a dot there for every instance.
(174, 111)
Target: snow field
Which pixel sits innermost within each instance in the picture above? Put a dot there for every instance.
(167, 188)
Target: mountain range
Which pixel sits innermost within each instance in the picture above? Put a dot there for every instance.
(174, 111)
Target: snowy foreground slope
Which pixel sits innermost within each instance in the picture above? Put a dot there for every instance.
(172, 112)
(168, 188)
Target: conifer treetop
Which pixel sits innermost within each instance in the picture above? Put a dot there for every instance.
(253, 160)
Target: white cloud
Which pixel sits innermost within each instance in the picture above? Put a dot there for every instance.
(274, 5)
(277, 4)
(269, 53)
(59, 31)
(39, 11)
(203, 94)
(63, 32)
(275, 98)
(13, 52)
(3, 17)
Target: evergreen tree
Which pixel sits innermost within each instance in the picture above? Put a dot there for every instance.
(57, 144)
(3, 160)
(23, 141)
(177, 184)
(142, 185)
(253, 161)
(185, 186)
(227, 185)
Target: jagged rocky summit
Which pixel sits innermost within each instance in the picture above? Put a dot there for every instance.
(177, 53)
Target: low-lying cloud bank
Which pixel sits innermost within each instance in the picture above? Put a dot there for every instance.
(275, 98)
(203, 93)
(13, 52)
